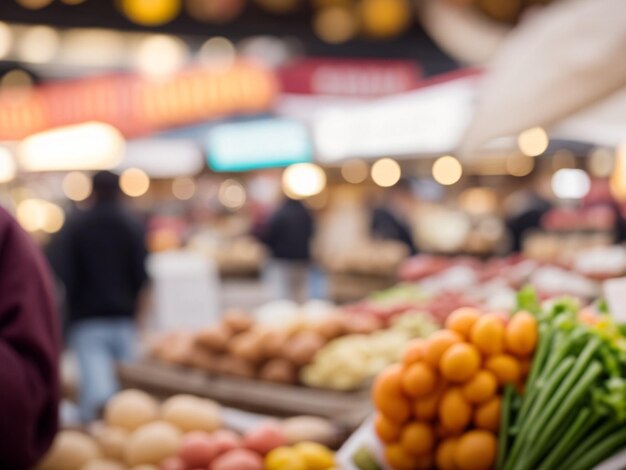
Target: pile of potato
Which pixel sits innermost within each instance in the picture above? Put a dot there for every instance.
(241, 347)
(183, 433)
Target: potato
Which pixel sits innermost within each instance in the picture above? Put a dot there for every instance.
(361, 324)
(272, 342)
(70, 451)
(146, 467)
(246, 346)
(131, 409)
(230, 365)
(111, 441)
(190, 413)
(309, 428)
(238, 321)
(279, 370)
(202, 359)
(301, 349)
(238, 459)
(152, 443)
(329, 328)
(103, 464)
(226, 440)
(264, 438)
(198, 449)
(174, 348)
(215, 338)
(173, 463)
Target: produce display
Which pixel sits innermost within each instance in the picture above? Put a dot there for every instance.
(185, 433)
(348, 362)
(440, 406)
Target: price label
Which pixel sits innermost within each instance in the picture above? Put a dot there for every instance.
(615, 293)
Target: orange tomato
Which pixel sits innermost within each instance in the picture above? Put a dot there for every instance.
(418, 439)
(488, 334)
(521, 334)
(425, 462)
(414, 351)
(454, 412)
(437, 344)
(460, 362)
(505, 367)
(387, 394)
(386, 430)
(398, 458)
(444, 456)
(462, 320)
(475, 450)
(418, 380)
(487, 416)
(481, 388)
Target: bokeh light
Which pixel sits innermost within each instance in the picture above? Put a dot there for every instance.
(303, 180)
(16, 79)
(161, 55)
(385, 18)
(77, 186)
(354, 171)
(232, 195)
(533, 142)
(34, 4)
(215, 11)
(183, 188)
(8, 168)
(618, 177)
(94, 48)
(386, 172)
(38, 214)
(335, 24)
(134, 182)
(150, 12)
(218, 52)
(478, 201)
(38, 44)
(88, 146)
(6, 39)
(447, 170)
(601, 162)
(519, 165)
(570, 183)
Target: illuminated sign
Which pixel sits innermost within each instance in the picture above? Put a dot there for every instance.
(263, 143)
(136, 105)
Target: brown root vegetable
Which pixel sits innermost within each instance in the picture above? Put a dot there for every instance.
(130, 409)
(272, 343)
(301, 348)
(231, 365)
(174, 348)
(70, 450)
(190, 413)
(329, 328)
(111, 441)
(152, 443)
(247, 346)
(237, 321)
(214, 338)
(361, 324)
(279, 370)
(202, 359)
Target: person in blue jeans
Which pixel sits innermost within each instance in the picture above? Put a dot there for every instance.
(99, 256)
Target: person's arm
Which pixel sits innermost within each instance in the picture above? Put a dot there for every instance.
(29, 350)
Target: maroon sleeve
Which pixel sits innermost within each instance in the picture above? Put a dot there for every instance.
(29, 350)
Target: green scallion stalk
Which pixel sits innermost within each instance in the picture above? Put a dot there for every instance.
(503, 435)
(597, 435)
(567, 441)
(602, 451)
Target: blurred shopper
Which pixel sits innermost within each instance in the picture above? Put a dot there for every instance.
(288, 235)
(100, 260)
(390, 220)
(29, 350)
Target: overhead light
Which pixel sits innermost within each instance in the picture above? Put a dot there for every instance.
(618, 177)
(533, 142)
(386, 172)
(571, 183)
(34, 4)
(601, 162)
(16, 79)
(232, 194)
(88, 146)
(161, 55)
(38, 214)
(519, 165)
(447, 170)
(303, 180)
(354, 171)
(218, 52)
(335, 24)
(77, 186)
(183, 188)
(6, 39)
(150, 12)
(134, 182)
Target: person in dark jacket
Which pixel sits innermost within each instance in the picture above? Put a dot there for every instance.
(29, 350)
(288, 235)
(389, 220)
(99, 257)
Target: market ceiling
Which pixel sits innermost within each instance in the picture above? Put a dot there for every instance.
(414, 43)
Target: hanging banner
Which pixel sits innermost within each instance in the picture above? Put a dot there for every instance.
(136, 105)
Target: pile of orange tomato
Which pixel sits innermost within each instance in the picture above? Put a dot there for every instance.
(440, 407)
